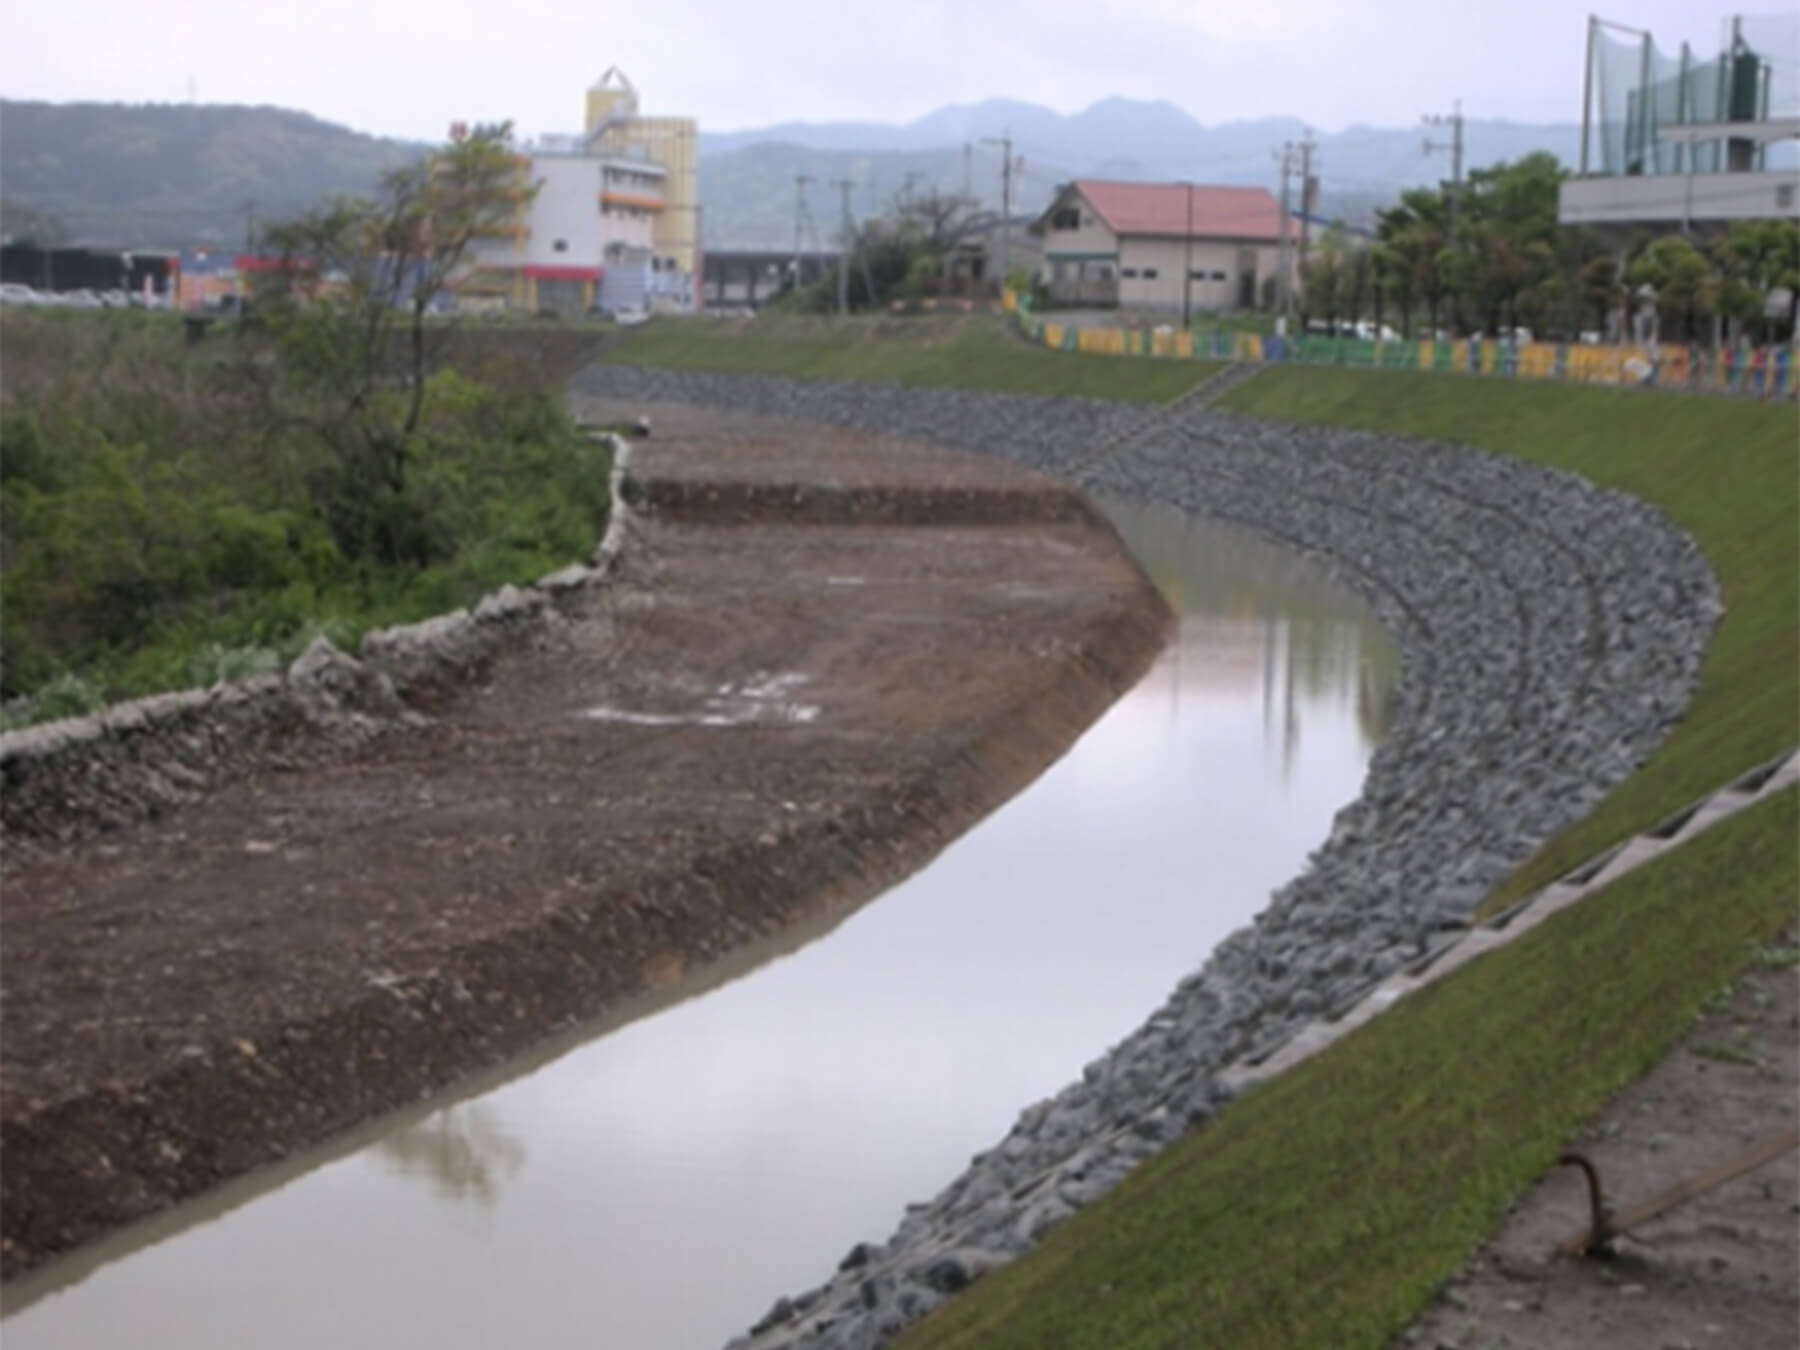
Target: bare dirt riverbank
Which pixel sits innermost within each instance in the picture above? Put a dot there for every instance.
(819, 657)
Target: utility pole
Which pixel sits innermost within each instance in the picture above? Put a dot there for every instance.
(1006, 173)
(1309, 192)
(800, 213)
(968, 168)
(1187, 263)
(1285, 251)
(1455, 146)
(846, 187)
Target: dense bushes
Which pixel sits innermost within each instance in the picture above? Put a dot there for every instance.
(162, 530)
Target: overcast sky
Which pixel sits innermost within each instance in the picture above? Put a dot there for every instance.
(410, 67)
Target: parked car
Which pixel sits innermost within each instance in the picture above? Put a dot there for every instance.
(12, 293)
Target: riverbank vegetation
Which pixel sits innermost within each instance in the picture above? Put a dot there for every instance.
(1328, 1206)
(960, 351)
(177, 514)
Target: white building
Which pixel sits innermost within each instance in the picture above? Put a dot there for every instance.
(585, 242)
(615, 221)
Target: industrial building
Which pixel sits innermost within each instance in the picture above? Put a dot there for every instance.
(615, 222)
(1159, 246)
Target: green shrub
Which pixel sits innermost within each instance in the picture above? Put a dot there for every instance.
(162, 532)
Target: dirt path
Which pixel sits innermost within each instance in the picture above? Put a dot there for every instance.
(795, 691)
(1719, 1271)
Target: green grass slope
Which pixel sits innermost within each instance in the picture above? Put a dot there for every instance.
(964, 351)
(1325, 1208)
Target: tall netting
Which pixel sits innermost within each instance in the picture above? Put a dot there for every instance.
(1705, 102)
(1637, 92)
(1615, 71)
(1775, 41)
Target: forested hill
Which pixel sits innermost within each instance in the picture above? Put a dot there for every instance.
(173, 174)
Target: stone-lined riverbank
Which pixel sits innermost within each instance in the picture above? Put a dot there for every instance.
(239, 923)
(1552, 633)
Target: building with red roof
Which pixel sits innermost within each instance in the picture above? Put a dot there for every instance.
(1162, 246)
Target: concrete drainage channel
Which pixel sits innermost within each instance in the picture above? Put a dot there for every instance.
(1552, 633)
(1458, 949)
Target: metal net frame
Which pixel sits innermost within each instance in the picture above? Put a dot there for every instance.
(1635, 91)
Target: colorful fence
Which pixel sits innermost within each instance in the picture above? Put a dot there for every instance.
(1764, 372)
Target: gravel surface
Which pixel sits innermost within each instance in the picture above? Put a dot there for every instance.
(1552, 632)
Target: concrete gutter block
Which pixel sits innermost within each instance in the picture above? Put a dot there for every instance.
(1634, 854)
(1551, 901)
(1475, 944)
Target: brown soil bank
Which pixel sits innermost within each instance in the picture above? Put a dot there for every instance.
(769, 712)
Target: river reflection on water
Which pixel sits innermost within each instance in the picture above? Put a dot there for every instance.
(660, 1185)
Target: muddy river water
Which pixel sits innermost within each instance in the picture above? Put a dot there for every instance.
(660, 1184)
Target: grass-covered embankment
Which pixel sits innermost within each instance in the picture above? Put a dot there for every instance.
(1326, 1207)
(164, 529)
(965, 351)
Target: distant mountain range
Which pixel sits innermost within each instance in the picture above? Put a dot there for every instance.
(1359, 169)
(172, 174)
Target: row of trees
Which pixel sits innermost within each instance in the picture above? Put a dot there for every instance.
(904, 253)
(1491, 257)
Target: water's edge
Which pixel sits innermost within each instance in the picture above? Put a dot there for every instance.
(820, 874)
(1552, 632)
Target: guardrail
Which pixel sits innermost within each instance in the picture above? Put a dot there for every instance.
(1755, 372)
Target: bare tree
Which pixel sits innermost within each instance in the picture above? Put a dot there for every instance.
(339, 350)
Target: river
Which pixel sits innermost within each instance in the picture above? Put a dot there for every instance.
(659, 1184)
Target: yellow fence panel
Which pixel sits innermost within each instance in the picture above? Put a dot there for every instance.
(1538, 360)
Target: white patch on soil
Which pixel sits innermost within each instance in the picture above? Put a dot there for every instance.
(760, 700)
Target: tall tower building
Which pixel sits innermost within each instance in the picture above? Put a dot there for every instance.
(614, 126)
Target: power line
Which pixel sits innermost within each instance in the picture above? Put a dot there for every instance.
(1006, 173)
(1284, 267)
(1455, 147)
(845, 186)
(801, 214)
(1309, 191)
